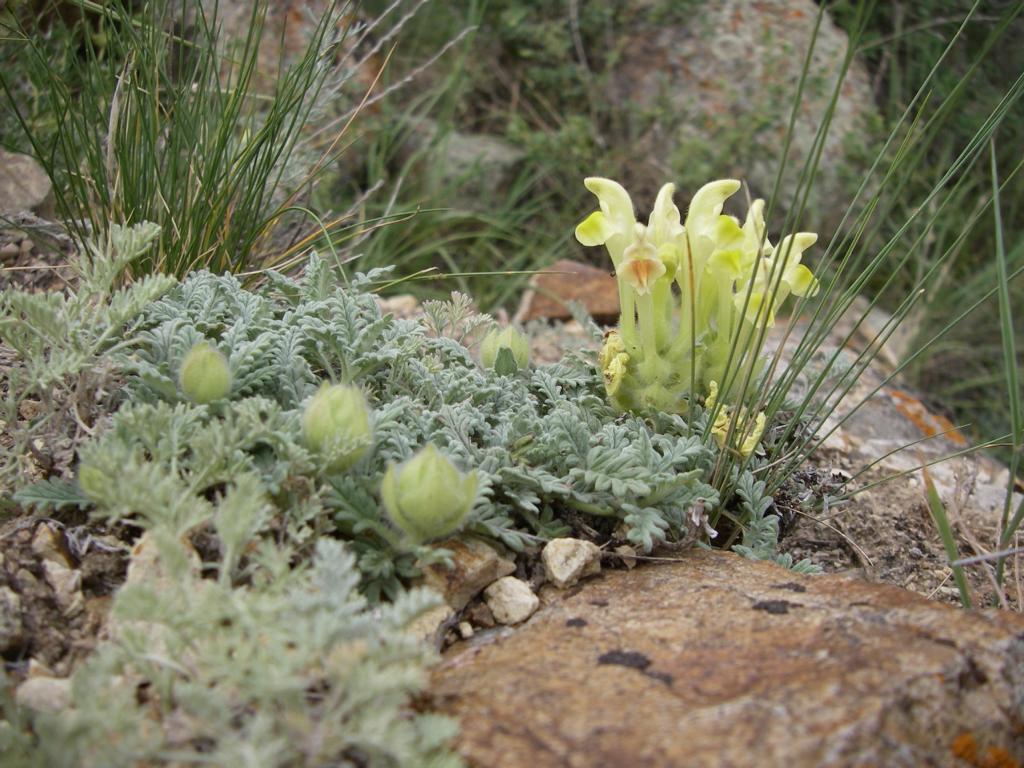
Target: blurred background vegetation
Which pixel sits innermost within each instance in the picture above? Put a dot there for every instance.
(493, 112)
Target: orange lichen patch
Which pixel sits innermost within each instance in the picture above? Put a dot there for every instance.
(929, 423)
(997, 757)
(965, 747)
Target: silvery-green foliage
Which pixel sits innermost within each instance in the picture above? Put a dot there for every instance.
(760, 529)
(545, 444)
(57, 335)
(56, 342)
(292, 670)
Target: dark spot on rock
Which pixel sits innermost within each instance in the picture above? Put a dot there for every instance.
(776, 607)
(971, 676)
(860, 604)
(630, 659)
(576, 622)
(663, 677)
(792, 586)
(599, 603)
(634, 660)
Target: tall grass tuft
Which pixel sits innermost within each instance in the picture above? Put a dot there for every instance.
(159, 118)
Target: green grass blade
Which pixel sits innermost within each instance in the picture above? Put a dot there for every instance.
(941, 519)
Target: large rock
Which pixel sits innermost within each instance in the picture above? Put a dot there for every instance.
(566, 281)
(717, 88)
(24, 186)
(717, 660)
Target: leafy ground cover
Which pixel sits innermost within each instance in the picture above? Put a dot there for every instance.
(158, 405)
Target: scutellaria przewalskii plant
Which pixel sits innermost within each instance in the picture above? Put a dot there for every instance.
(287, 418)
(693, 298)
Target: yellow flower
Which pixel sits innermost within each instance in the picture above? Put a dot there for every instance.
(753, 437)
(712, 398)
(772, 288)
(641, 254)
(615, 372)
(720, 429)
(612, 225)
(612, 346)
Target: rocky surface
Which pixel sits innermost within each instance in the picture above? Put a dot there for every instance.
(55, 586)
(718, 660)
(24, 186)
(565, 281)
(722, 81)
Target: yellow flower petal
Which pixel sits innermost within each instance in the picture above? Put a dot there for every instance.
(754, 231)
(669, 255)
(755, 314)
(752, 439)
(801, 281)
(664, 223)
(712, 398)
(615, 372)
(615, 201)
(720, 430)
(612, 346)
(595, 229)
(707, 205)
(727, 264)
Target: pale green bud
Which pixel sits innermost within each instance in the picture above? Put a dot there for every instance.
(506, 351)
(427, 497)
(205, 375)
(336, 424)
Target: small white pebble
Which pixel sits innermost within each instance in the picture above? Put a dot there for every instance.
(511, 600)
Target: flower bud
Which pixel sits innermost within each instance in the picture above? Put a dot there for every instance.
(505, 351)
(204, 375)
(336, 424)
(427, 497)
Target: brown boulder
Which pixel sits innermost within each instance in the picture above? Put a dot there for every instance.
(550, 292)
(718, 660)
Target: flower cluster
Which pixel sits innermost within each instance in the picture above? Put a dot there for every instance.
(693, 295)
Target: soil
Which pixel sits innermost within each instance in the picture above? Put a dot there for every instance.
(48, 635)
(886, 534)
(34, 261)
